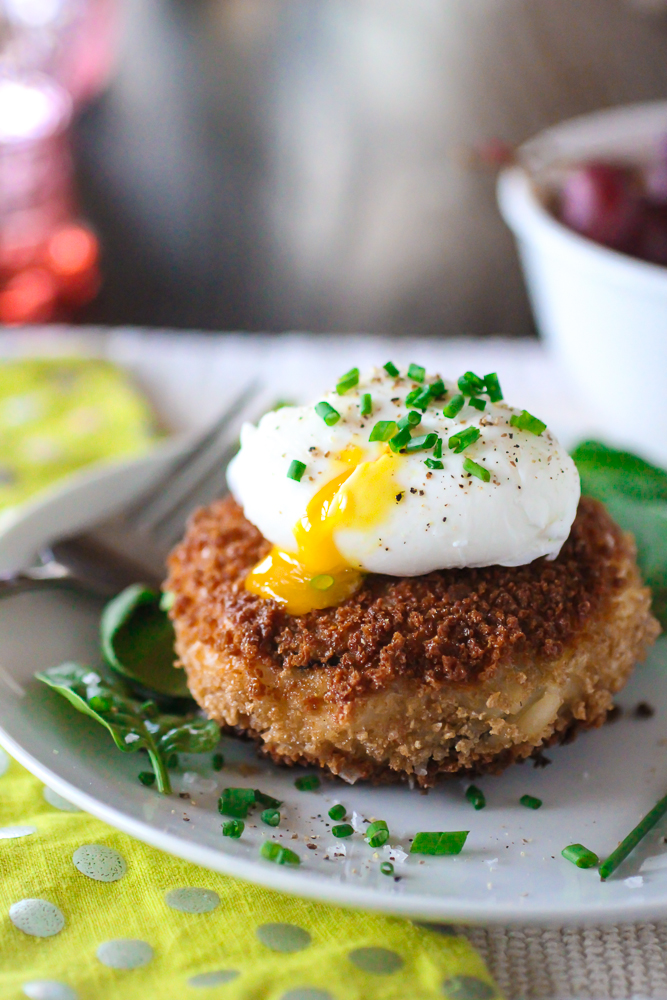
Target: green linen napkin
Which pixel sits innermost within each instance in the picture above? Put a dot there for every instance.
(127, 922)
(60, 414)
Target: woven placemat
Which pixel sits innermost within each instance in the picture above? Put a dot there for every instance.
(619, 961)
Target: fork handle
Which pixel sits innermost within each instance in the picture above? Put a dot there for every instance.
(41, 577)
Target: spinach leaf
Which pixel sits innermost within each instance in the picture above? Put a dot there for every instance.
(138, 641)
(635, 493)
(134, 725)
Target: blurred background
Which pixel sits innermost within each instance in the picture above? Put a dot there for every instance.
(289, 164)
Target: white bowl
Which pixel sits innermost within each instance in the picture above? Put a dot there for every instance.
(603, 313)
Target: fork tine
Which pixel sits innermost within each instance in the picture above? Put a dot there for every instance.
(154, 496)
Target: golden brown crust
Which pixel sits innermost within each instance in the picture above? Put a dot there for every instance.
(459, 670)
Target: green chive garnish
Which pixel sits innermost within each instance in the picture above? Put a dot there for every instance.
(454, 406)
(530, 802)
(437, 449)
(342, 830)
(416, 372)
(280, 855)
(377, 833)
(493, 390)
(423, 443)
(473, 469)
(412, 396)
(391, 369)
(475, 797)
(271, 817)
(439, 843)
(322, 582)
(233, 828)
(296, 470)
(580, 856)
(479, 404)
(167, 600)
(308, 783)
(146, 778)
(217, 762)
(387, 868)
(525, 421)
(384, 430)
(633, 838)
(433, 463)
(347, 381)
(328, 414)
(172, 761)
(471, 384)
(366, 405)
(459, 442)
(400, 440)
(268, 801)
(411, 419)
(337, 812)
(437, 389)
(236, 802)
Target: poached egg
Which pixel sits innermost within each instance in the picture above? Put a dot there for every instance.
(399, 474)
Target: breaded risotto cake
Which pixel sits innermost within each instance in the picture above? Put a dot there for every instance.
(436, 609)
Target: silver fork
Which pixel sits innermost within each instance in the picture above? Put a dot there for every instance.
(131, 545)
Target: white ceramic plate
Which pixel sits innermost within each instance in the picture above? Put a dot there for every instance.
(510, 870)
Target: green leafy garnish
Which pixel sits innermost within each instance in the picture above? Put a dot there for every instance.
(459, 442)
(416, 372)
(347, 381)
(530, 802)
(377, 833)
(439, 843)
(327, 413)
(296, 470)
(280, 855)
(525, 421)
(138, 641)
(134, 725)
(236, 802)
(580, 856)
(474, 469)
(307, 783)
(384, 430)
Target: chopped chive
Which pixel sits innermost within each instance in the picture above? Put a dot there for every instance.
(387, 868)
(146, 778)
(633, 838)
(342, 830)
(167, 600)
(322, 582)
(328, 414)
(479, 404)
(217, 762)
(384, 430)
(377, 833)
(271, 817)
(307, 783)
(454, 406)
(337, 812)
(347, 381)
(493, 390)
(419, 397)
(530, 802)
(391, 369)
(437, 389)
(473, 469)
(423, 443)
(172, 761)
(475, 797)
(268, 801)
(437, 449)
(412, 396)
(433, 463)
(272, 851)
(459, 442)
(366, 404)
(580, 856)
(236, 802)
(233, 828)
(416, 372)
(439, 843)
(525, 421)
(471, 384)
(400, 440)
(296, 470)
(411, 419)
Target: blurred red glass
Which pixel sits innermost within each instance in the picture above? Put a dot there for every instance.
(48, 258)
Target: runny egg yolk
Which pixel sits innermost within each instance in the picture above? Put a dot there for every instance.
(317, 575)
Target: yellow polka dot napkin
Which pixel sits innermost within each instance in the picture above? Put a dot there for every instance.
(87, 913)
